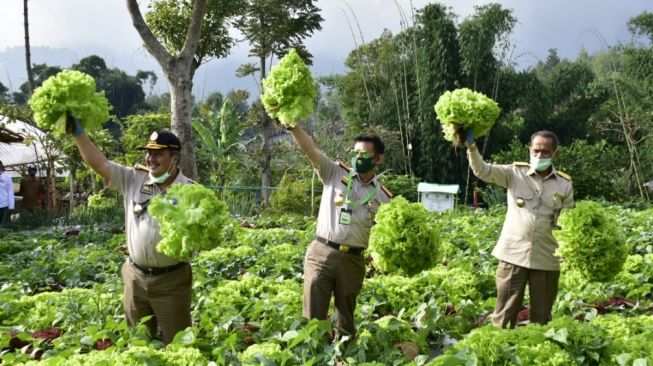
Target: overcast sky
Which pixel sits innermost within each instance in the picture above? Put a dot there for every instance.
(73, 29)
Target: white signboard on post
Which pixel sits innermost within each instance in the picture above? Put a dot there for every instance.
(437, 197)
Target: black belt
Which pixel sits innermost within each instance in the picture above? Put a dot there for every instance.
(156, 270)
(341, 247)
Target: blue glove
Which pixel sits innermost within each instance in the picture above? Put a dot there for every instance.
(73, 126)
(469, 139)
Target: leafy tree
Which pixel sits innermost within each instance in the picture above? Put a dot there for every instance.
(479, 36)
(4, 94)
(437, 67)
(543, 69)
(181, 35)
(642, 25)
(136, 130)
(124, 92)
(272, 27)
(41, 73)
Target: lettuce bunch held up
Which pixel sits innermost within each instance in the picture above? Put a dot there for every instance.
(289, 92)
(462, 109)
(191, 218)
(591, 243)
(403, 240)
(70, 92)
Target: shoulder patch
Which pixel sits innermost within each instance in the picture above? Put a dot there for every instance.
(564, 175)
(141, 167)
(521, 163)
(343, 166)
(386, 191)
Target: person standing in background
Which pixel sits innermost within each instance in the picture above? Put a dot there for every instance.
(32, 190)
(6, 196)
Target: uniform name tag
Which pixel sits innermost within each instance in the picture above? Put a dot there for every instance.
(345, 216)
(147, 189)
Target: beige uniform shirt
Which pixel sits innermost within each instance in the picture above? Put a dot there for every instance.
(527, 236)
(357, 233)
(142, 231)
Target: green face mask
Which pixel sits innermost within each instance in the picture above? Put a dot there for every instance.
(540, 164)
(362, 163)
(160, 179)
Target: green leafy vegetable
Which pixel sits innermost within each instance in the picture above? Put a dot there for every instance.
(69, 92)
(191, 218)
(463, 108)
(403, 240)
(591, 243)
(288, 92)
(265, 353)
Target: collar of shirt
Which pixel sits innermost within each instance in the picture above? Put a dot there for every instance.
(553, 173)
(372, 181)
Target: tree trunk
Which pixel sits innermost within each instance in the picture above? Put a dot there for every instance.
(266, 149)
(28, 56)
(179, 70)
(181, 101)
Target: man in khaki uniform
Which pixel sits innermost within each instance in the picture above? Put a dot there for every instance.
(334, 263)
(154, 284)
(536, 194)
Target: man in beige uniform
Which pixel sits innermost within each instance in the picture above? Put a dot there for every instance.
(536, 194)
(334, 263)
(154, 284)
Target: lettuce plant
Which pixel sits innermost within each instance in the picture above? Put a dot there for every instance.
(69, 92)
(591, 243)
(462, 109)
(191, 218)
(403, 239)
(288, 92)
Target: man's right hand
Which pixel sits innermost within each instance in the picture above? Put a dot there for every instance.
(73, 126)
(469, 139)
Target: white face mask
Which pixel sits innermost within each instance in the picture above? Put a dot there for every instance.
(540, 164)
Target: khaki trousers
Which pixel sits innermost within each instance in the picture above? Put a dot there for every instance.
(511, 282)
(166, 296)
(328, 271)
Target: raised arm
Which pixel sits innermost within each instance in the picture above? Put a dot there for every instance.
(489, 173)
(93, 156)
(306, 143)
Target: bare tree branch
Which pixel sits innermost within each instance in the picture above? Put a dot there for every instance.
(152, 44)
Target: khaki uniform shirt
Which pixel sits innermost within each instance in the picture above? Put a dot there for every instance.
(141, 229)
(333, 175)
(533, 205)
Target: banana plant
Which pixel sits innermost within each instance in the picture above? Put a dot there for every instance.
(220, 134)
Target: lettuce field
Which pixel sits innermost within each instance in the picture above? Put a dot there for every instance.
(60, 303)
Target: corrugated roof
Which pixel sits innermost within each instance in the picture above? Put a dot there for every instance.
(14, 154)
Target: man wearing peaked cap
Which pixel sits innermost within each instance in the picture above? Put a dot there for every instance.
(154, 284)
(162, 140)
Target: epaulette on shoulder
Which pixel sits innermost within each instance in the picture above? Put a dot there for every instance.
(345, 179)
(564, 175)
(521, 163)
(387, 191)
(343, 166)
(141, 167)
